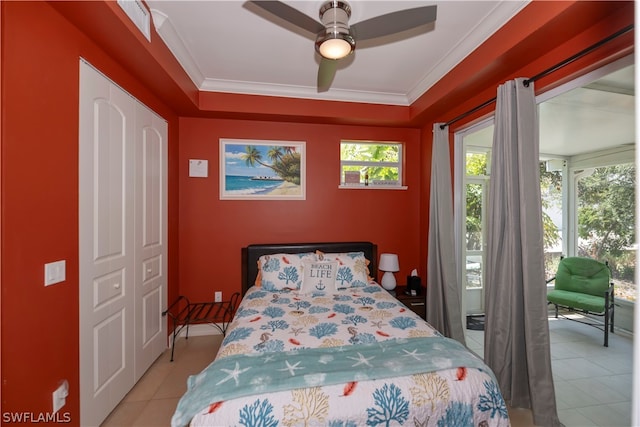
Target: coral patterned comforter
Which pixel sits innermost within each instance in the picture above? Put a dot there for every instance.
(351, 358)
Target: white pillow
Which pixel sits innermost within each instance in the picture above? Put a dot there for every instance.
(318, 277)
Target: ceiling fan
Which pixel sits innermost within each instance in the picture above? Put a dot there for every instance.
(335, 38)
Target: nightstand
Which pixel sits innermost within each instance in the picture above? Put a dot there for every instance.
(417, 304)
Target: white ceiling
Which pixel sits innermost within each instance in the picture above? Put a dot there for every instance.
(232, 46)
(593, 114)
(589, 118)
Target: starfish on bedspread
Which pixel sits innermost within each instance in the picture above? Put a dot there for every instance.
(361, 360)
(233, 373)
(291, 368)
(413, 354)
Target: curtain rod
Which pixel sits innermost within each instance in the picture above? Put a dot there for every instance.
(545, 72)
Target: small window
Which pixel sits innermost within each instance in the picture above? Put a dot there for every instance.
(477, 163)
(370, 164)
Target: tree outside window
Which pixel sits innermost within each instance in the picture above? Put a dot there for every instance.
(550, 189)
(606, 222)
(376, 162)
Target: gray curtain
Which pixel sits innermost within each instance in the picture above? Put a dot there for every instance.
(516, 339)
(443, 292)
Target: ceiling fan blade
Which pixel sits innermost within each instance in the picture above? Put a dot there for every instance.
(290, 14)
(326, 73)
(394, 22)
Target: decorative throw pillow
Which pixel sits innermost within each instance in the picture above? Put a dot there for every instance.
(353, 270)
(319, 276)
(258, 281)
(282, 271)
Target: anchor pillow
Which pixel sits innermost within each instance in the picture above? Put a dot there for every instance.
(318, 277)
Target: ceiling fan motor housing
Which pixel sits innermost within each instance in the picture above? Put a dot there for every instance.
(334, 15)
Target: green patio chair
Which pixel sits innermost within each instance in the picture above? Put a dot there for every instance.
(584, 285)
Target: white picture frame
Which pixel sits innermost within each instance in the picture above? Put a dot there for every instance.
(262, 169)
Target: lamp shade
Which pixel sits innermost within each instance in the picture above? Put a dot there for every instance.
(335, 45)
(389, 262)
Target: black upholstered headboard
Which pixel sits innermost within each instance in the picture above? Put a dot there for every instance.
(252, 253)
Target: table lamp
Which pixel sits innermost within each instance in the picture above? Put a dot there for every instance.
(389, 264)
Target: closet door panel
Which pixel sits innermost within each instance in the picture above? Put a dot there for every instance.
(122, 242)
(110, 199)
(106, 244)
(151, 245)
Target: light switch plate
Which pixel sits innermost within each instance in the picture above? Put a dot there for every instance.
(54, 272)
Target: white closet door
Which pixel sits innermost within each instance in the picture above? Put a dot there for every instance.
(151, 232)
(106, 244)
(122, 242)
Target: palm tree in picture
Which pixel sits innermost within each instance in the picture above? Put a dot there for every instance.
(252, 156)
(285, 161)
(288, 167)
(275, 153)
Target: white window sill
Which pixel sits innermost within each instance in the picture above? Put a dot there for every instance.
(372, 187)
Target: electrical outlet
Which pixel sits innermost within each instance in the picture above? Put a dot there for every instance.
(60, 396)
(217, 296)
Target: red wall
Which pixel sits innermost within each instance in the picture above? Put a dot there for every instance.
(212, 231)
(40, 52)
(40, 200)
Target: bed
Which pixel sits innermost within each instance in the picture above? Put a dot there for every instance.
(316, 341)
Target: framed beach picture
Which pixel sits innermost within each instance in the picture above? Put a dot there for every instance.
(262, 170)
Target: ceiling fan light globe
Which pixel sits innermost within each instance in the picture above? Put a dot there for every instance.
(335, 45)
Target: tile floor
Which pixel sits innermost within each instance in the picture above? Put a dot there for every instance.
(593, 383)
(154, 398)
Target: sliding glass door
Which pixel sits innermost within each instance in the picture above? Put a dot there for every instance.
(474, 173)
(587, 183)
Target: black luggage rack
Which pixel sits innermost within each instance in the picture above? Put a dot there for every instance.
(184, 313)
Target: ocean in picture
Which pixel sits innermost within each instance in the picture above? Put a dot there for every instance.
(238, 185)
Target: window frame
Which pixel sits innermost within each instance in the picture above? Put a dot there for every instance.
(363, 163)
